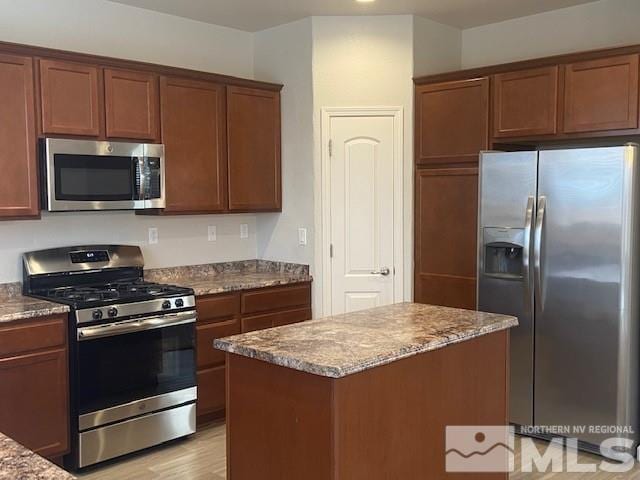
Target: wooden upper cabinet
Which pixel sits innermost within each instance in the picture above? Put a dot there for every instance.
(71, 98)
(253, 123)
(601, 94)
(194, 136)
(131, 104)
(18, 161)
(446, 222)
(525, 103)
(452, 121)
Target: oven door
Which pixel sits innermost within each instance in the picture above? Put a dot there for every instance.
(151, 359)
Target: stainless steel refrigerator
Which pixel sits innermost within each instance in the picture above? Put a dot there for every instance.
(558, 248)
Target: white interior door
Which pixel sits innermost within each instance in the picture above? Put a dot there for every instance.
(361, 195)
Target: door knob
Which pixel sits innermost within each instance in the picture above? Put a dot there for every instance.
(383, 271)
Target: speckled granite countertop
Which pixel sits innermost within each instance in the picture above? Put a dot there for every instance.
(204, 279)
(345, 344)
(20, 463)
(15, 306)
(231, 276)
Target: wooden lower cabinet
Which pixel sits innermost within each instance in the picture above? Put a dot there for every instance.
(387, 422)
(229, 314)
(34, 398)
(446, 219)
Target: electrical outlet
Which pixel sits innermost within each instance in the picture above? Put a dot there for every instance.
(153, 235)
(211, 233)
(244, 230)
(302, 236)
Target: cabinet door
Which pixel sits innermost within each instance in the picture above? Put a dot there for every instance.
(452, 121)
(445, 236)
(70, 98)
(601, 94)
(18, 161)
(525, 103)
(211, 390)
(194, 136)
(34, 407)
(253, 123)
(131, 104)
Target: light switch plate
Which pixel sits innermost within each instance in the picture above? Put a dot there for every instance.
(244, 230)
(153, 235)
(302, 236)
(212, 234)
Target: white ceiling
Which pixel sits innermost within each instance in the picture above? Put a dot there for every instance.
(255, 15)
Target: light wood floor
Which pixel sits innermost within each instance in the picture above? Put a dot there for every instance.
(202, 456)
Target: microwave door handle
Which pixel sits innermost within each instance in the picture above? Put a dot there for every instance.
(141, 177)
(537, 252)
(526, 253)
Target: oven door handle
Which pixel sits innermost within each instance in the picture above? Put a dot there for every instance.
(136, 325)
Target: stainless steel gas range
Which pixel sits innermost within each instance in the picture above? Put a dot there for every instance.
(132, 366)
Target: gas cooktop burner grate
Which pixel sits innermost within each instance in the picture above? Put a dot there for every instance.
(111, 292)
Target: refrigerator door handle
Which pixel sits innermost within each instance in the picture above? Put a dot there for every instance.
(526, 253)
(537, 248)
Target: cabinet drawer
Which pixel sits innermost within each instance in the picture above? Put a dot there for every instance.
(269, 320)
(276, 298)
(217, 308)
(206, 334)
(31, 335)
(211, 390)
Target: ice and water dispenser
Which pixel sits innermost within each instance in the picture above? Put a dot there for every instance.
(503, 252)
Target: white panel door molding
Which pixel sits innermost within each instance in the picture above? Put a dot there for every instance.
(362, 227)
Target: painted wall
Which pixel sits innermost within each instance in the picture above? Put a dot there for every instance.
(105, 28)
(112, 29)
(436, 47)
(182, 239)
(283, 54)
(601, 24)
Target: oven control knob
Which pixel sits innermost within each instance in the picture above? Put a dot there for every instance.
(179, 303)
(166, 304)
(97, 314)
(113, 312)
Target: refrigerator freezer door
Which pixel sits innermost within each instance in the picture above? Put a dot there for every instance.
(586, 319)
(507, 193)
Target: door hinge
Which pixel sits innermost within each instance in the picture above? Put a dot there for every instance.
(331, 250)
(331, 148)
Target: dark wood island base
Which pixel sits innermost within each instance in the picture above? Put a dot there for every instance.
(386, 422)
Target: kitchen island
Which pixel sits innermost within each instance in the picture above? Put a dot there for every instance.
(365, 395)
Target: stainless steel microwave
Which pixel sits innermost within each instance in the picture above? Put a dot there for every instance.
(91, 175)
